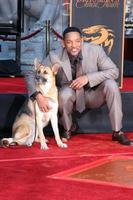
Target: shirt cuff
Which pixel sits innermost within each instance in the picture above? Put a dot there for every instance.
(33, 96)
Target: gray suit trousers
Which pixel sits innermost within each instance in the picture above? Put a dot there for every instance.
(105, 93)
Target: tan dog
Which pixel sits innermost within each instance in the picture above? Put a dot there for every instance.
(30, 121)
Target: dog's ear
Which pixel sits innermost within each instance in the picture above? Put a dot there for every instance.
(36, 63)
(55, 68)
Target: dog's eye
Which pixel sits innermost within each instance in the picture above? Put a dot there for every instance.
(39, 71)
(45, 72)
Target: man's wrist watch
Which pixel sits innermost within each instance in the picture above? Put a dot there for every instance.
(33, 96)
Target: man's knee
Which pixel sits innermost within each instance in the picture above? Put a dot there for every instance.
(110, 85)
(66, 95)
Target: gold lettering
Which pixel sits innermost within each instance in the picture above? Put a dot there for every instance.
(97, 3)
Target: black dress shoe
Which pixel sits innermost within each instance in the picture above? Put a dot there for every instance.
(121, 138)
(66, 135)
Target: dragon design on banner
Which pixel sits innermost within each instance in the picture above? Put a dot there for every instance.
(100, 35)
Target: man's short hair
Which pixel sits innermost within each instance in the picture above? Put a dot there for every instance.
(71, 29)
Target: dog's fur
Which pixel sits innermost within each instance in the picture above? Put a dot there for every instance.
(30, 121)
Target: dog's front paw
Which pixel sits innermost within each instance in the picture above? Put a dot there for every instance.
(44, 146)
(62, 145)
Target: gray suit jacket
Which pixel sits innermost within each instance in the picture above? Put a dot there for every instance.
(96, 65)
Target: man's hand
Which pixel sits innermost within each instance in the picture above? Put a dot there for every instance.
(79, 82)
(43, 102)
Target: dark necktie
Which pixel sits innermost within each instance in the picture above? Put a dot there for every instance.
(80, 98)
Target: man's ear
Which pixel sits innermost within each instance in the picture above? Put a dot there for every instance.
(55, 68)
(82, 39)
(63, 44)
(36, 63)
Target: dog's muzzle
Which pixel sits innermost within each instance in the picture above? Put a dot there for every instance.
(40, 79)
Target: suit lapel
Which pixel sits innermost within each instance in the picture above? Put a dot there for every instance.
(66, 65)
(84, 61)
